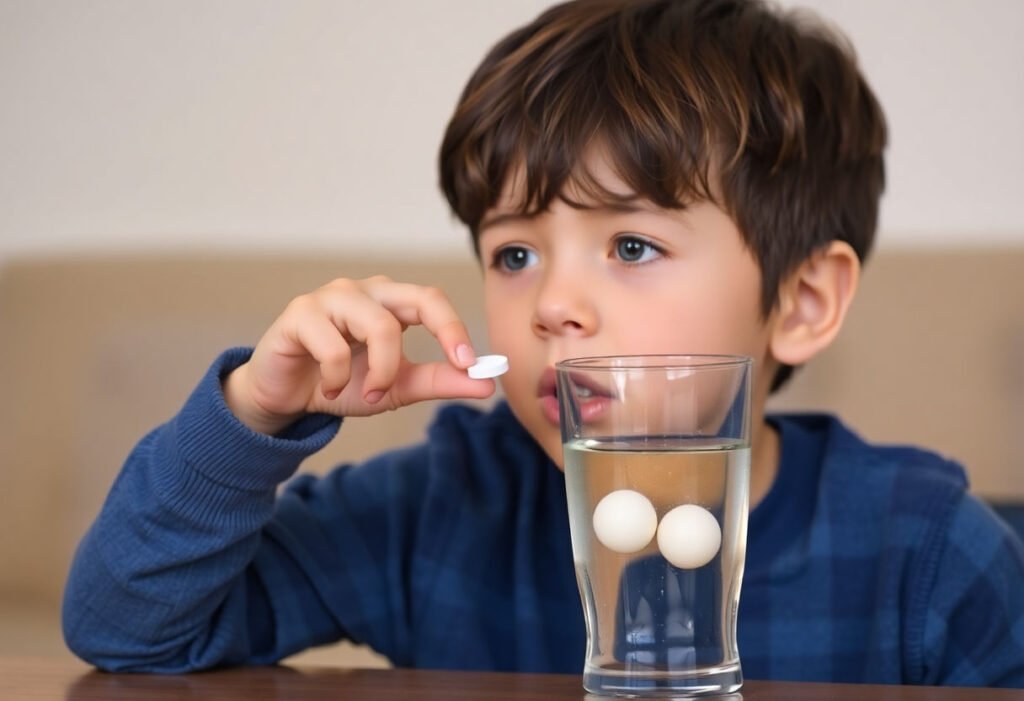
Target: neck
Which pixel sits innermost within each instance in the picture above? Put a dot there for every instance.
(764, 460)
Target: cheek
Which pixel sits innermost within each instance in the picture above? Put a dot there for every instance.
(705, 316)
(508, 314)
(500, 326)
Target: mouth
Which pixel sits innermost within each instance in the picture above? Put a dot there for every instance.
(592, 399)
(547, 393)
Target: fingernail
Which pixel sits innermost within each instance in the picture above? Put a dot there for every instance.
(331, 395)
(465, 355)
(373, 397)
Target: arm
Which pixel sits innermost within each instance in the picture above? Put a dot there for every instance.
(160, 581)
(973, 631)
(157, 582)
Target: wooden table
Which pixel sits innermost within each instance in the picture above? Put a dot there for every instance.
(29, 679)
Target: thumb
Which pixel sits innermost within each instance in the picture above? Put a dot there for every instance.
(419, 382)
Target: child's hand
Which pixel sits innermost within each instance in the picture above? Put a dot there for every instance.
(338, 350)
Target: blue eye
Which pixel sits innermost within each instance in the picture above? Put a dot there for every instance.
(633, 249)
(514, 258)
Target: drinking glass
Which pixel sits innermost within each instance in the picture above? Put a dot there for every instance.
(657, 470)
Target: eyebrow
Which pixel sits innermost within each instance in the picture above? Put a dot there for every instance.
(630, 206)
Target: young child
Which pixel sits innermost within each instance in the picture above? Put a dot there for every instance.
(638, 176)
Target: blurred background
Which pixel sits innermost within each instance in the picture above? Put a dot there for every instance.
(172, 172)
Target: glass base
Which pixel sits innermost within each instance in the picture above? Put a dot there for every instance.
(712, 681)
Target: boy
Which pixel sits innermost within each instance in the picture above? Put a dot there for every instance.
(657, 176)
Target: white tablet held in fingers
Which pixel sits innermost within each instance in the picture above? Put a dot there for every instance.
(488, 366)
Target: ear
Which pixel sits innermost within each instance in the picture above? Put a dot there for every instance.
(813, 301)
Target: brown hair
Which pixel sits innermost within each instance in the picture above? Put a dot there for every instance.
(761, 111)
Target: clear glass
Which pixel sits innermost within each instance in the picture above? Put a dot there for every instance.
(657, 470)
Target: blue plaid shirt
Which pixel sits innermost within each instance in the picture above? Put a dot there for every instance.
(864, 564)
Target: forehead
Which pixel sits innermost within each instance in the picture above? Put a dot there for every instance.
(594, 182)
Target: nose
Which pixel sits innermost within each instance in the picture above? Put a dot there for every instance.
(565, 304)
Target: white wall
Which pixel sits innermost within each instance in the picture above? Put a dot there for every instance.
(312, 125)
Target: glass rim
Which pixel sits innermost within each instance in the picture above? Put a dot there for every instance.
(655, 361)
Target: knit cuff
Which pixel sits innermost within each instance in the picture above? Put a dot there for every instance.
(215, 443)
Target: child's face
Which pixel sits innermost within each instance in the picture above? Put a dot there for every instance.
(584, 282)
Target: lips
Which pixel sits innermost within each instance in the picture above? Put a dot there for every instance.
(592, 399)
(547, 392)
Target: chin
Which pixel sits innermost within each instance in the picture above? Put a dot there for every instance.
(552, 446)
(548, 437)
(556, 456)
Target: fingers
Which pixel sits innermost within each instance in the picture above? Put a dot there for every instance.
(430, 308)
(366, 321)
(423, 381)
(339, 349)
(375, 311)
(323, 340)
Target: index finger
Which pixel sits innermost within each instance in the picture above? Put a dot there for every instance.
(430, 308)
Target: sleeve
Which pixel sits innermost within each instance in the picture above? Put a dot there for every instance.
(973, 633)
(343, 555)
(163, 581)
